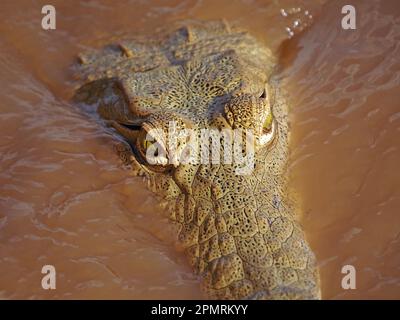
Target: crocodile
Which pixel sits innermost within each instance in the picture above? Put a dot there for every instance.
(240, 231)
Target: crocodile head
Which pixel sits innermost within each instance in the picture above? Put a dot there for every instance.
(203, 121)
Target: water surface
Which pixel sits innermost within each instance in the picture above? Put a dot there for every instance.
(66, 200)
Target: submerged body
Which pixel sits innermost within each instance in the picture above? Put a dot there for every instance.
(239, 231)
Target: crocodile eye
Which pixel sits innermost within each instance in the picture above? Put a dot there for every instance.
(147, 144)
(268, 130)
(151, 149)
(267, 126)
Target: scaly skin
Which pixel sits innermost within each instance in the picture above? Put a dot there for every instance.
(239, 232)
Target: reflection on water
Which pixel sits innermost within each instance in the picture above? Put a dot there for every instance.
(66, 200)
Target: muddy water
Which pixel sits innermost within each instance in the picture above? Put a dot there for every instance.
(65, 199)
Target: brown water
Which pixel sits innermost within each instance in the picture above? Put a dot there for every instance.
(65, 199)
